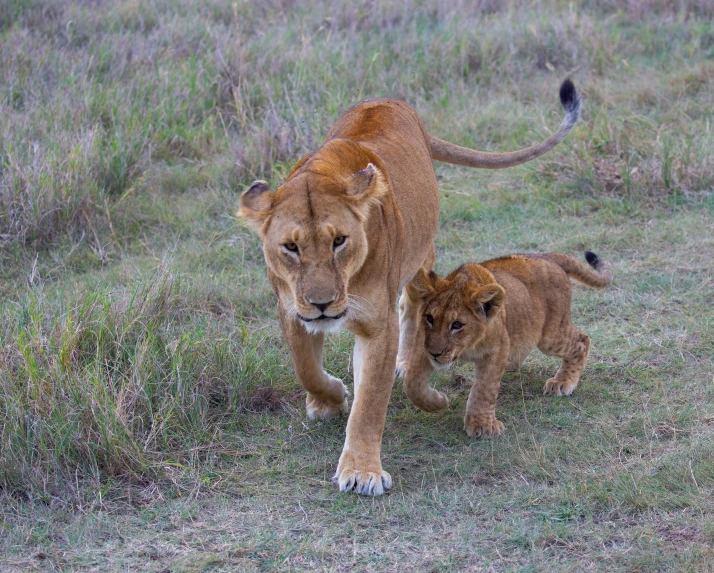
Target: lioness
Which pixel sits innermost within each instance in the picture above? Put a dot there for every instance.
(493, 314)
(349, 228)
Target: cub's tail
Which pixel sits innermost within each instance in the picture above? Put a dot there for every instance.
(451, 153)
(597, 275)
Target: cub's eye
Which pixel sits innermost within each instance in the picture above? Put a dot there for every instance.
(456, 325)
(340, 240)
(291, 247)
(429, 319)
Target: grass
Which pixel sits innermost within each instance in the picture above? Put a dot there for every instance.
(149, 417)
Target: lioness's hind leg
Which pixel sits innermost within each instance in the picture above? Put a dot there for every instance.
(408, 319)
(573, 348)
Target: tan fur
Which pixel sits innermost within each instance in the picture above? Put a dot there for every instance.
(493, 315)
(349, 228)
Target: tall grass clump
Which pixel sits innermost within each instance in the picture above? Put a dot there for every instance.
(121, 384)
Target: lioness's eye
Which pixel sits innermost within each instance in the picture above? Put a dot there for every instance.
(456, 325)
(292, 247)
(340, 240)
(429, 319)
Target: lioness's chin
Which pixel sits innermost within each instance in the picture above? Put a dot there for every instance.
(325, 325)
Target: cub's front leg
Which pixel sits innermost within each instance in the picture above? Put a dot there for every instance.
(416, 378)
(326, 395)
(480, 419)
(360, 466)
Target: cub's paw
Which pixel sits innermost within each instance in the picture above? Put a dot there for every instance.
(362, 478)
(317, 409)
(559, 388)
(431, 401)
(482, 425)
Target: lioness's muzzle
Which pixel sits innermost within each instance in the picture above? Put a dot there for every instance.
(323, 317)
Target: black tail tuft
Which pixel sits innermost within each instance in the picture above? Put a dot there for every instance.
(569, 97)
(592, 259)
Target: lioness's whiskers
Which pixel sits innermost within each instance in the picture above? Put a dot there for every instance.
(360, 307)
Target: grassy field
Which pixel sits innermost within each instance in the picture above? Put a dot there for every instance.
(149, 417)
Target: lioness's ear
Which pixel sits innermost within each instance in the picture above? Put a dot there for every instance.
(423, 285)
(365, 186)
(256, 204)
(488, 300)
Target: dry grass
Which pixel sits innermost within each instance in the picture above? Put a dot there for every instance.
(95, 99)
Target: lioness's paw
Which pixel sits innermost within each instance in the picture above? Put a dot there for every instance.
(482, 425)
(362, 474)
(559, 388)
(317, 409)
(363, 482)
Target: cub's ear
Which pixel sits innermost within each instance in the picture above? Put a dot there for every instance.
(487, 300)
(256, 204)
(365, 186)
(423, 285)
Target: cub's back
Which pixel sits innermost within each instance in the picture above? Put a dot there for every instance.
(537, 290)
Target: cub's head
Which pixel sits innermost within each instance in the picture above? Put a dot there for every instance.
(456, 311)
(313, 231)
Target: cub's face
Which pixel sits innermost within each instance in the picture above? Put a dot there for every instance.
(450, 329)
(456, 314)
(314, 241)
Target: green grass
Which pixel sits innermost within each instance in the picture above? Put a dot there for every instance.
(149, 416)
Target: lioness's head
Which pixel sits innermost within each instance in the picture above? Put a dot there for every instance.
(313, 230)
(456, 310)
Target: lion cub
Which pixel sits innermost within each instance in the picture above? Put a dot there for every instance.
(493, 314)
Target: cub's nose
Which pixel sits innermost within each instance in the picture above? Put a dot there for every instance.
(321, 298)
(437, 354)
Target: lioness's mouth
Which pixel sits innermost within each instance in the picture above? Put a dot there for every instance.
(323, 317)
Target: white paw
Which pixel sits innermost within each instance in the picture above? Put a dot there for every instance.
(363, 482)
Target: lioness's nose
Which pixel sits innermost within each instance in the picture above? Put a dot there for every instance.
(436, 355)
(322, 298)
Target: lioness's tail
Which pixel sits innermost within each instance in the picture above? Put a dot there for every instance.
(451, 153)
(599, 276)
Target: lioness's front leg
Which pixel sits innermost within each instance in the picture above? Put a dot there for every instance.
(326, 395)
(480, 419)
(360, 466)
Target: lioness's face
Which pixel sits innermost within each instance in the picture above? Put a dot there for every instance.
(314, 240)
(456, 315)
